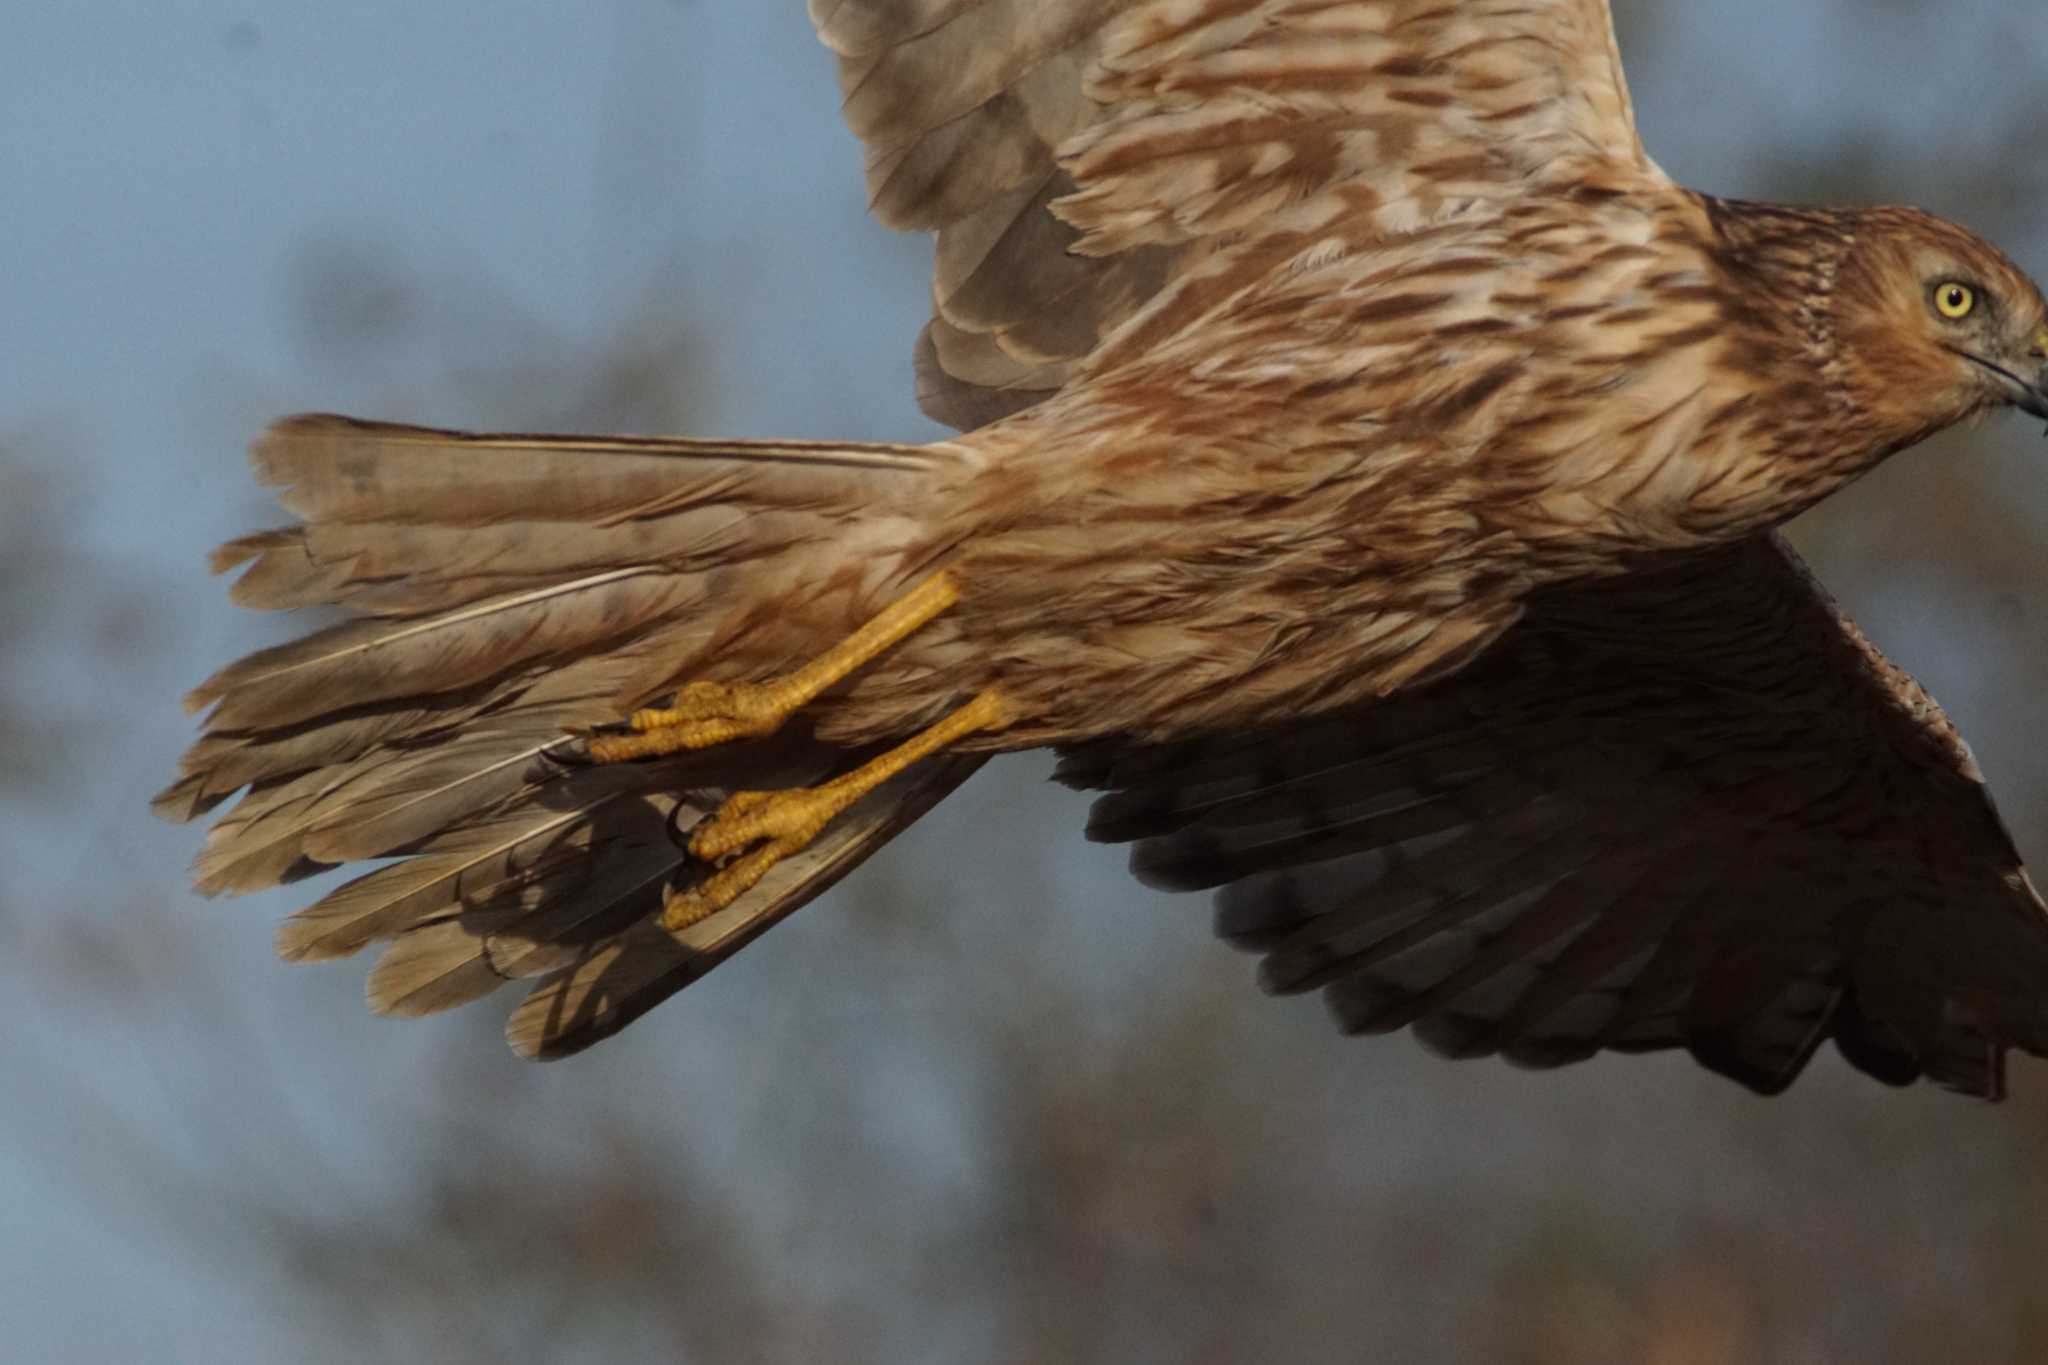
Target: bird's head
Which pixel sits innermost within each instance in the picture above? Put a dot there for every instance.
(1933, 324)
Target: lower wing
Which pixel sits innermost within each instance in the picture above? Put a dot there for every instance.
(1691, 807)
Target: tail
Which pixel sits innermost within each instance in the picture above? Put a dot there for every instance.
(505, 590)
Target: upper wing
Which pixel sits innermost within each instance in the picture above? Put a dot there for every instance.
(1076, 156)
(1691, 807)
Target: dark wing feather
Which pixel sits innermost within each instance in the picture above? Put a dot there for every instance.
(1079, 159)
(1692, 807)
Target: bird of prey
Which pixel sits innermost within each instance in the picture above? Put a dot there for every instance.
(1367, 473)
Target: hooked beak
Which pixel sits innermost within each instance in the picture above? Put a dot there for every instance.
(2037, 402)
(2028, 395)
(2034, 398)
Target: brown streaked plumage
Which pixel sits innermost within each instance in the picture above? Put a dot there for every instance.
(1368, 468)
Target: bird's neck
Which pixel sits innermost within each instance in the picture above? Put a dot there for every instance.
(1779, 266)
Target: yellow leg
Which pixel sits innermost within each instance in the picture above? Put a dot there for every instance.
(783, 823)
(708, 713)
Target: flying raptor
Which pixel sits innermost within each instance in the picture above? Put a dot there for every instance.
(1367, 473)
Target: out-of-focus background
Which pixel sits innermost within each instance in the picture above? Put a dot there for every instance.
(989, 1101)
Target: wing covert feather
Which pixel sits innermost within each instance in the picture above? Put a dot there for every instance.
(1074, 157)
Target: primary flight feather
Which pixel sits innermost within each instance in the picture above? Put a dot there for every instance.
(1368, 468)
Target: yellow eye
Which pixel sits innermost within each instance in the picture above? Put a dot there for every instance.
(1954, 300)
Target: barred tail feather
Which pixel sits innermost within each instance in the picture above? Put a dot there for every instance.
(612, 982)
(505, 591)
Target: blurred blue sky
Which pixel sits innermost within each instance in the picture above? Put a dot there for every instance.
(540, 185)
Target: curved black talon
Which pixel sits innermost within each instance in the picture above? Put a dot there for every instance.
(570, 759)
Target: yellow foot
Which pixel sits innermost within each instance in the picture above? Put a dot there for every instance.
(784, 823)
(681, 909)
(703, 714)
(708, 713)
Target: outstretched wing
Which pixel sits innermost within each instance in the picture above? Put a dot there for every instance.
(1692, 807)
(1075, 157)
